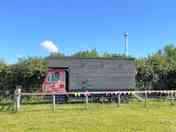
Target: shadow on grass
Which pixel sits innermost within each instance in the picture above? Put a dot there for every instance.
(72, 106)
(7, 107)
(49, 107)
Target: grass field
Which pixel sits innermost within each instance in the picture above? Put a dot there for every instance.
(133, 117)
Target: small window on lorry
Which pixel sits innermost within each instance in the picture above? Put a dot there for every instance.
(53, 77)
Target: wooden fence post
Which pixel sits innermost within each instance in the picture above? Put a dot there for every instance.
(87, 101)
(14, 101)
(18, 98)
(119, 100)
(54, 102)
(172, 98)
(145, 105)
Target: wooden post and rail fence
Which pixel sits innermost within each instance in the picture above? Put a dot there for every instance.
(86, 94)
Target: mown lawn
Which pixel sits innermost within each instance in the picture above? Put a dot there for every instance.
(133, 117)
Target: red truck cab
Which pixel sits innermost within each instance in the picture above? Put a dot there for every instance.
(55, 81)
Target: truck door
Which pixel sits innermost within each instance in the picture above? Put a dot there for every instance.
(55, 81)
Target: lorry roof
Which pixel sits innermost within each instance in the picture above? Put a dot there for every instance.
(102, 58)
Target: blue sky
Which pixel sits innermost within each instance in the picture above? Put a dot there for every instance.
(75, 25)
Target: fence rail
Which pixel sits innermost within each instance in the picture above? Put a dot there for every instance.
(102, 92)
(87, 94)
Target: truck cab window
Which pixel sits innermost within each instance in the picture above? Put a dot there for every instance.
(53, 77)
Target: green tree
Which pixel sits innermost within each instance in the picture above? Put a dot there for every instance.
(55, 55)
(159, 68)
(86, 54)
(4, 74)
(29, 72)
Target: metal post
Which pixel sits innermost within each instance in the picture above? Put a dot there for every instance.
(126, 43)
(54, 103)
(18, 98)
(119, 100)
(145, 99)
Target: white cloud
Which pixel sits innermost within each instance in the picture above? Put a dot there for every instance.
(50, 46)
(19, 56)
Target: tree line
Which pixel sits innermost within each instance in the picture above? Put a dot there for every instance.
(156, 71)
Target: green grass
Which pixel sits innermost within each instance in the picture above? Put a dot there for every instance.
(133, 117)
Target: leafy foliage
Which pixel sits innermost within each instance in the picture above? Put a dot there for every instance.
(87, 54)
(28, 72)
(32, 72)
(55, 55)
(5, 73)
(158, 69)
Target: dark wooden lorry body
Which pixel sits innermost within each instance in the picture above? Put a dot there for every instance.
(96, 74)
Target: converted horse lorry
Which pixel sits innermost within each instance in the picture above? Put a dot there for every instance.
(70, 74)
